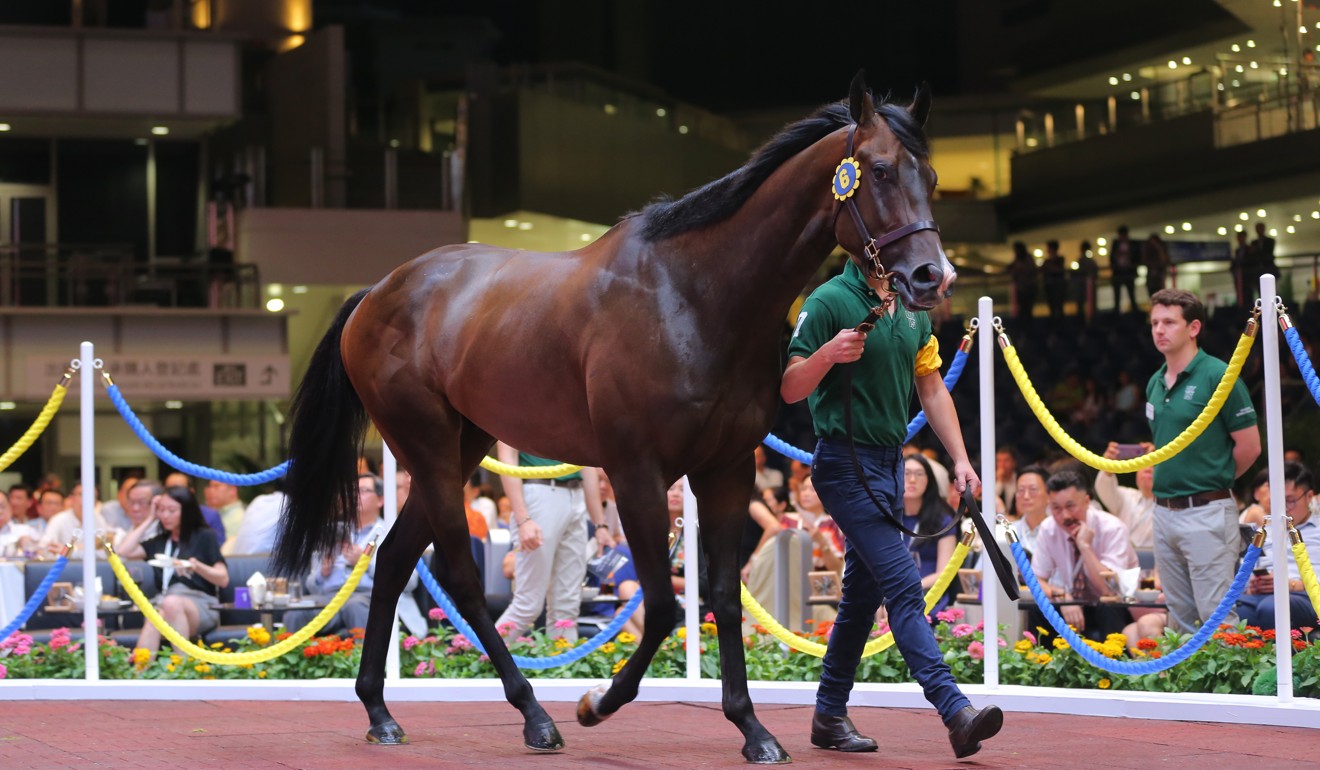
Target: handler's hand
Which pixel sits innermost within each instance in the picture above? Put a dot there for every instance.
(964, 475)
(530, 536)
(846, 347)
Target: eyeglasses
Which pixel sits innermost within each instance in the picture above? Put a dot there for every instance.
(914, 474)
(1292, 502)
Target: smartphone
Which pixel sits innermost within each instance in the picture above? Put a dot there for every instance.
(1260, 572)
(1129, 451)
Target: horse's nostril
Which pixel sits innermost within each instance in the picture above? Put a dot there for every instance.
(927, 275)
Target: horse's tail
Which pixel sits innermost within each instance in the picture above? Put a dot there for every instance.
(325, 441)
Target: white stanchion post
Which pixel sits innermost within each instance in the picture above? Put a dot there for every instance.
(91, 597)
(691, 571)
(1278, 530)
(989, 580)
(389, 468)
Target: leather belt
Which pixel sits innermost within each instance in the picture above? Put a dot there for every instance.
(1192, 501)
(553, 483)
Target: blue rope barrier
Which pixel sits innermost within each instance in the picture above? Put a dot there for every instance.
(193, 469)
(34, 601)
(563, 659)
(1303, 361)
(950, 379)
(1137, 668)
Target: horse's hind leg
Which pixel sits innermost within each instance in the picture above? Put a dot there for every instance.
(398, 553)
(722, 497)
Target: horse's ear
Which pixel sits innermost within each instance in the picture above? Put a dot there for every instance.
(860, 103)
(920, 106)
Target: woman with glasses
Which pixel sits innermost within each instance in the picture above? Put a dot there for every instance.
(925, 513)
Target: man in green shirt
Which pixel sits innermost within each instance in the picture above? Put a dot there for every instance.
(1196, 518)
(887, 363)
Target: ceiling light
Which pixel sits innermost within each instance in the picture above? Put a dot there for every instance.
(1255, 65)
(275, 290)
(1113, 81)
(660, 112)
(5, 127)
(1102, 251)
(274, 304)
(1274, 232)
(510, 223)
(1244, 216)
(585, 237)
(1031, 141)
(1251, 44)
(1237, 83)
(394, 143)
(1101, 242)
(1186, 226)
(1290, 229)
(1222, 231)
(1135, 96)
(1240, 68)
(610, 109)
(173, 404)
(1297, 217)
(1173, 65)
(1127, 77)
(1236, 48)
(1260, 212)
(682, 129)
(524, 225)
(1238, 228)
(7, 405)
(1037, 253)
(1169, 229)
(1186, 60)
(160, 131)
(1315, 215)
(300, 290)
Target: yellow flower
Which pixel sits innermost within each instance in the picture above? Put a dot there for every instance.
(245, 665)
(175, 660)
(1103, 684)
(259, 634)
(261, 674)
(562, 644)
(1112, 649)
(217, 645)
(620, 664)
(1023, 647)
(202, 668)
(170, 668)
(607, 647)
(682, 632)
(708, 628)
(1120, 638)
(626, 638)
(208, 677)
(140, 656)
(1032, 656)
(1059, 643)
(1042, 632)
(1043, 658)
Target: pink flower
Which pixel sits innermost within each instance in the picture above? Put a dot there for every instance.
(1296, 634)
(976, 650)
(951, 615)
(436, 614)
(460, 642)
(4, 672)
(410, 642)
(1002, 643)
(59, 638)
(430, 640)
(506, 628)
(425, 668)
(565, 624)
(1030, 637)
(75, 647)
(524, 640)
(484, 659)
(710, 617)
(962, 629)
(980, 626)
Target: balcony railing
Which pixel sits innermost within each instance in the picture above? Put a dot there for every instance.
(107, 275)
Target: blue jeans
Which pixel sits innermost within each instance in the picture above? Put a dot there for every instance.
(877, 568)
(1258, 610)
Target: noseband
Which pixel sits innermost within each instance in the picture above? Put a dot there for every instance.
(847, 178)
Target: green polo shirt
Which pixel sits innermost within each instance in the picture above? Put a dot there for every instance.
(882, 378)
(1206, 465)
(525, 459)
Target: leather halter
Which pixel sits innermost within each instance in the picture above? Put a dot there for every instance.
(871, 246)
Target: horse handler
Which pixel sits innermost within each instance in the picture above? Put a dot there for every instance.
(877, 566)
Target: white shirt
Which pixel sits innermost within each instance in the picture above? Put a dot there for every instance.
(62, 525)
(256, 534)
(11, 533)
(1310, 532)
(1131, 507)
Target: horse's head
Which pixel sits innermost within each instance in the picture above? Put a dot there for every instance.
(888, 228)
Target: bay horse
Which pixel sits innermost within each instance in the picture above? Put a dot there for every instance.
(652, 352)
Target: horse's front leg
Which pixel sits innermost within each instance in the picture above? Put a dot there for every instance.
(723, 497)
(403, 545)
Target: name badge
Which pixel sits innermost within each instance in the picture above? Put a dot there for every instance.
(1150, 411)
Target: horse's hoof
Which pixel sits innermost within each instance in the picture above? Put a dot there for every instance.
(388, 734)
(588, 710)
(543, 737)
(766, 752)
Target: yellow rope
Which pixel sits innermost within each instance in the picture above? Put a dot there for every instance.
(236, 658)
(529, 471)
(1170, 449)
(872, 647)
(1304, 567)
(47, 412)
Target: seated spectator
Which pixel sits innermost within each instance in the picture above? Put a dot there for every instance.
(1032, 506)
(49, 503)
(1256, 606)
(925, 513)
(759, 532)
(260, 524)
(115, 511)
(826, 539)
(1254, 514)
(138, 509)
(766, 476)
(224, 498)
(1134, 507)
(61, 528)
(193, 584)
(476, 507)
(609, 508)
(402, 488)
(15, 536)
(677, 579)
(331, 571)
(1073, 548)
(21, 503)
(209, 514)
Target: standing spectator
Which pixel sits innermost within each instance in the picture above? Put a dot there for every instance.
(1156, 258)
(1076, 545)
(224, 498)
(1134, 507)
(1032, 506)
(766, 477)
(15, 536)
(210, 515)
(1262, 254)
(551, 516)
(1054, 276)
(1022, 271)
(886, 367)
(1084, 280)
(1196, 528)
(331, 571)
(1244, 262)
(1257, 604)
(1123, 259)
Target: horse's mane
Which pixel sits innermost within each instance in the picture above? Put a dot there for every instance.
(718, 200)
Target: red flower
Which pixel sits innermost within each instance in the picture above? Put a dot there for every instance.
(1299, 644)
(1268, 635)
(1147, 644)
(1254, 644)
(1156, 654)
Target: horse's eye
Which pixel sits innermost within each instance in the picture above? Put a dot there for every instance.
(881, 173)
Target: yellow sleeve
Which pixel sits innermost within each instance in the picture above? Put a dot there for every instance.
(928, 358)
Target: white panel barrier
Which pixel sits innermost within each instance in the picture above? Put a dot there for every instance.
(1281, 709)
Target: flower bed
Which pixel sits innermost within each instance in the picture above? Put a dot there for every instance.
(1236, 659)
